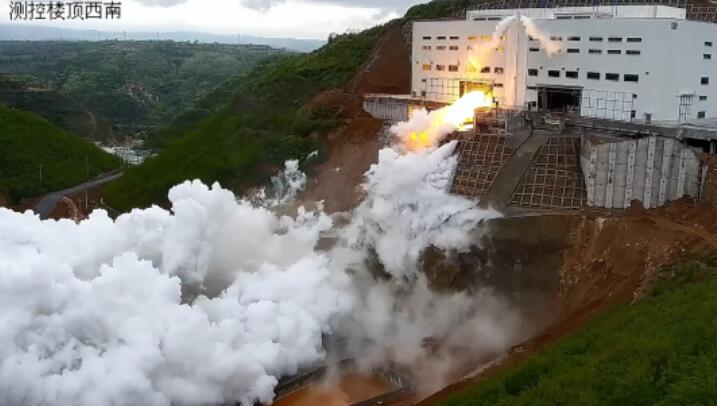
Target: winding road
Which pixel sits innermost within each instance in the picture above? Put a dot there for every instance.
(45, 206)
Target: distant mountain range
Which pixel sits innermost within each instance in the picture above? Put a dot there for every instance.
(26, 32)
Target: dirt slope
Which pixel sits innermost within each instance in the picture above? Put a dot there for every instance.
(351, 149)
(604, 259)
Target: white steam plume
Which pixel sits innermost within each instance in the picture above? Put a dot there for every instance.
(93, 312)
(214, 301)
(550, 47)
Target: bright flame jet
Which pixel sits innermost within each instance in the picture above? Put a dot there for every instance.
(426, 129)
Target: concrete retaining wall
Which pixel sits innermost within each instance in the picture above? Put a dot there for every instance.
(386, 109)
(653, 170)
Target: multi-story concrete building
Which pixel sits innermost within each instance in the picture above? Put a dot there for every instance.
(630, 63)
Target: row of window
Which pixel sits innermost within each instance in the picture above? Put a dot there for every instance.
(593, 39)
(454, 68)
(456, 38)
(553, 38)
(591, 51)
(453, 48)
(573, 74)
(598, 51)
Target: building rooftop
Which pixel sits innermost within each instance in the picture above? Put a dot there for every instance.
(567, 13)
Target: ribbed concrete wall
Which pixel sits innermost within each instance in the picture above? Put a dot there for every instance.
(653, 170)
(386, 109)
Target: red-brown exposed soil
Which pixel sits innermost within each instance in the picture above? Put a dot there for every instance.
(352, 148)
(609, 260)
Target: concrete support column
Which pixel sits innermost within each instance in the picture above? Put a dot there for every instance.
(665, 171)
(630, 178)
(590, 176)
(647, 197)
(610, 182)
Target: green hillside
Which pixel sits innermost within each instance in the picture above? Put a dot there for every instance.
(137, 85)
(661, 351)
(262, 124)
(37, 157)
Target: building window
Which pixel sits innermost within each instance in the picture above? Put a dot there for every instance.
(595, 51)
(497, 85)
(706, 56)
(426, 47)
(632, 52)
(472, 38)
(705, 81)
(453, 68)
(532, 72)
(556, 38)
(530, 38)
(673, 26)
(634, 39)
(614, 39)
(427, 37)
(583, 17)
(554, 73)
(629, 77)
(703, 98)
(573, 38)
(469, 47)
(426, 66)
(453, 37)
(572, 74)
(440, 67)
(612, 76)
(700, 114)
(594, 75)
(486, 37)
(596, 39)
(453, 47)
(573, 50)
(534, 49)
(499, 49)
(485, 69)
(498, 71)
(614, 51)
(708, 44)
(441, 47)
(561, 17)
(440, 38)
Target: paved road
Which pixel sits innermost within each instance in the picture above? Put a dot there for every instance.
(45, 206)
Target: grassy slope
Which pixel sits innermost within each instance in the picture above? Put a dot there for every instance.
(28, 142)
(660, 351)
(262, 124)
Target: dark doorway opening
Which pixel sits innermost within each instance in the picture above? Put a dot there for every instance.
(564, 99)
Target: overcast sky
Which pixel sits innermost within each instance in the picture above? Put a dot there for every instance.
(276, 18)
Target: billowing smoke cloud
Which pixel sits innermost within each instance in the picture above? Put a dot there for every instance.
(214, 301)
(93, 312)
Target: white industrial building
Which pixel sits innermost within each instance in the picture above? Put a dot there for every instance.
(641, 63)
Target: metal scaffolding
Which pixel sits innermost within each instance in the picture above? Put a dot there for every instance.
(554, 180)
(479, 161)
